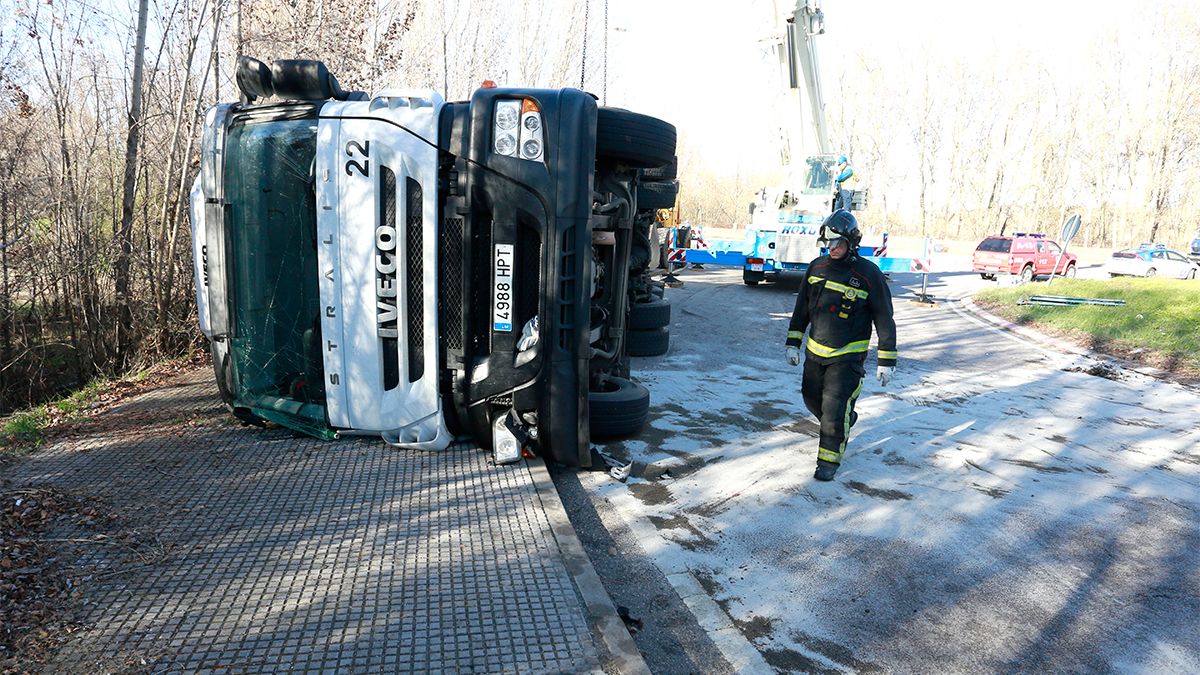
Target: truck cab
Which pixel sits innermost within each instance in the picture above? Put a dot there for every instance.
(421, 270)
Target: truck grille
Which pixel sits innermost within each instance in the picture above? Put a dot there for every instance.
(387, 216)
(414, 238)
(450, 259)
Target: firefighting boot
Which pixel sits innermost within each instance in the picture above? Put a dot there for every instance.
(825, 470)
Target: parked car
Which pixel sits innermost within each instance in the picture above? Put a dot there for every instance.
(1029, 255)
(1150, 260)
(1195, 256)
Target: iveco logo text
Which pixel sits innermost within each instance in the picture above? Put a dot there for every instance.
(385, 281)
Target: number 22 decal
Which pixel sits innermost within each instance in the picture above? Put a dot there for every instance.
(364, 167)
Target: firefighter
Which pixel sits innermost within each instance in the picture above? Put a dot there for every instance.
(841, 296)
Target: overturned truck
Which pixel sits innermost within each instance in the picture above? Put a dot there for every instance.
(422, 270)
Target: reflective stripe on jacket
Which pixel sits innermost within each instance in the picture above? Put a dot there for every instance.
(838, 303)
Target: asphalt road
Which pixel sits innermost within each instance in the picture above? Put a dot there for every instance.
(1002, 506)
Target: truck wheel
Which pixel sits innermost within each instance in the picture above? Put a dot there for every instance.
(634, 139)
(1027, 274)
(987, 277)
(656, 195)
(663, 173)
(648, 315)
(620, 409)
(1070, 273)
(654, 342)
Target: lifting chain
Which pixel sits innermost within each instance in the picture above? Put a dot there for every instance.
(583, 62)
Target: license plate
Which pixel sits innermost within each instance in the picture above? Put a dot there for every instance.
(756, 267)
(502, 288)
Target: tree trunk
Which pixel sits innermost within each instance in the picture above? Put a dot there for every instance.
(125, 234)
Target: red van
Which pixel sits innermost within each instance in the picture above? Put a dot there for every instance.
(1028, 255)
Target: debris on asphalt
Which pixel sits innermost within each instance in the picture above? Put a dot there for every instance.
(633, 623)
(1100, 369)
(1066, 301)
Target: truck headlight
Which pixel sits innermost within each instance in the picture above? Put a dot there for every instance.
(531, 131)
(505, 446)
(507, 113)
(506, 144)
(517, 129)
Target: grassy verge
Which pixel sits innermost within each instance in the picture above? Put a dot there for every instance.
(1158, 325)
(24, 431)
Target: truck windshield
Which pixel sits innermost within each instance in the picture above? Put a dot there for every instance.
(273, 292)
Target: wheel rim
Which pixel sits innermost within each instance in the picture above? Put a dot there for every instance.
(1150, 272)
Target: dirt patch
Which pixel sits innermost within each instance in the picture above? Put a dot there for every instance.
(769, 410)
(803, 426)
(792, 661)
(755, 628)
(1040, 468)
(1101, 369)
(993, 492)
(835, 652)
(651, 494)
(713, 508)
(1137, 422)
(698, 542)
(890, 495)
(711, 586)
(894, 459)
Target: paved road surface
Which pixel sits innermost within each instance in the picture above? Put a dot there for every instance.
(1002, 507)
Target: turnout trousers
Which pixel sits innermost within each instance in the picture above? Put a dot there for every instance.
(830, 391)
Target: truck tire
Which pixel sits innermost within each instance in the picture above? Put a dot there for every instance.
(649, 315)
(662, 173)
(620, 409)
(654, 342)
(656, 195)
(634, 139)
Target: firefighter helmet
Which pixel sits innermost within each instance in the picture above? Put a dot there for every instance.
(841, 224)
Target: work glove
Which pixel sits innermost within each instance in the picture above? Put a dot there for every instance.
(793, 356)
(884, 374)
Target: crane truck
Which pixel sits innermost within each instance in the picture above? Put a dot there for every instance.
(786, 219)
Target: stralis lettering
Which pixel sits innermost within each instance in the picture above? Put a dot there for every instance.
(385, 281)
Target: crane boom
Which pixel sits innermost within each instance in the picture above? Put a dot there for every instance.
(798, 58)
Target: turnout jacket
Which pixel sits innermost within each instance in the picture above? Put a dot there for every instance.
(839, 300)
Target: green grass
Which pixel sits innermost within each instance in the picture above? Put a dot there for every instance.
(1160, 316)
(25, 430)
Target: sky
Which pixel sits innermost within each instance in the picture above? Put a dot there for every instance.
(704, 65)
